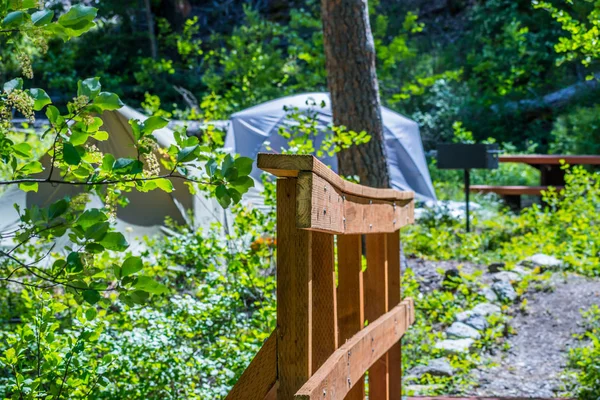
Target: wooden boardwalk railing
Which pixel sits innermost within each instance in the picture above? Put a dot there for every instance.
(329, 335)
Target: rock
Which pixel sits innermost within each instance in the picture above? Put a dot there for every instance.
(455, 346)
(477, 321)
(504, 290)
(489, 294)
(459, 330)
(482, 309)
(437, 367)
(496, 267)
(543, 261)
(485, 309)
(521, 271)
(507, 276)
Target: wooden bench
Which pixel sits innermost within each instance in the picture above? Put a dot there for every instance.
(511, 194)
(321, 348)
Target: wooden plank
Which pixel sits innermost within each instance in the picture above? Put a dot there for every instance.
(324, 307)
(376, 297)
(394, 355)
(294, 273)
(550, 159)
(512, 190)
(288, 165)
(347, 365)
(261, 375)
(350, 297)
(323, 207)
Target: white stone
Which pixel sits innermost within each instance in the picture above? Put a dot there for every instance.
(485, 309)
(504, 290)
(455, 346)
(437, 367)
(508, 276)
(521, 271)
(478, 322)
(489, 294)
(459, 330)
(543, 261)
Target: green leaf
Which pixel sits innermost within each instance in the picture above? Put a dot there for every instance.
(139, 296)
(13, 84)
(57, 209)
(29, 186)
(54, 115)
(43, 17)
(33, 167)
(78, 17)
(97, 231)
(154, 123)
(100, 136)
(90, 314)
(91, 217)
(114, 241)
(11, 356)
(74, 263)
(243, 165)
(187, 154)
(107, 162)
(15, 19)
(40, 99)
(223, 196)
(164, 184)
(94, 248)
(149, 285)
(131, 265)
(127, 166)
(91, 296)
(242, 184)
(227, 165)
(78, 138)
(22, 151)
(108, 101)
(89, 87)
(70, 154)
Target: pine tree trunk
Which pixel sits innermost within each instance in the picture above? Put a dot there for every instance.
(352, 82)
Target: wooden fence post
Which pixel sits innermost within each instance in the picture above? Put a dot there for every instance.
(351, 314)
(376, 287)
(394, 356)
(294, 274)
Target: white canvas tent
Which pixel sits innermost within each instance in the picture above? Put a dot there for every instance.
(252, 130)
(146, 212)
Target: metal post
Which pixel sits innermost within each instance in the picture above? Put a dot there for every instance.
(467, 187)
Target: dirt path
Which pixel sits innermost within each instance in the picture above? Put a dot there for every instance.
(538, 352)
(539, 349)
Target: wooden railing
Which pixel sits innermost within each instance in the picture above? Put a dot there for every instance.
(328, 335)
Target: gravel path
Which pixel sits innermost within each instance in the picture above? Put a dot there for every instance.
(538, 352)
(539, 349)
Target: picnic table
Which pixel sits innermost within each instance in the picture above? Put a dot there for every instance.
(552, 174)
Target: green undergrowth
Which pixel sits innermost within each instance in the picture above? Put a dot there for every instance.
(583, 376)
(566, 226)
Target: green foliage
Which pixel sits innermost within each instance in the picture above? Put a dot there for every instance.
(577, 132)
(584, 360)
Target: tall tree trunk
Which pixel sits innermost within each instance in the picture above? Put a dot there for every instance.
(151, 33)
(352, 82)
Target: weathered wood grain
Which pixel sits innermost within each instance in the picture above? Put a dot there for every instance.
(286, 165)
(324, 305)
(323, 207)
(347, 365)
(394, 355)
(294, 274)
(376, 299)
(350, 297)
